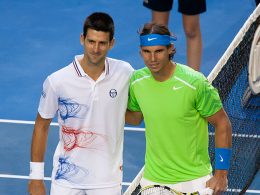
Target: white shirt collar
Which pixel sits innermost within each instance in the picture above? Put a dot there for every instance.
(80, 72)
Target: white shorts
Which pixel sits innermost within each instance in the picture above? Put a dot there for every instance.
(187, 186)
(58, 190)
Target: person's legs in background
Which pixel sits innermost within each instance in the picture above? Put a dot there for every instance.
(161, 17)
(191, 25)
(191, 11)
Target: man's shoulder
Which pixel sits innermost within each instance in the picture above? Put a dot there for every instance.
(189, 75)
(59, 75)
(140, 74)
(118, 64)
(62, 71)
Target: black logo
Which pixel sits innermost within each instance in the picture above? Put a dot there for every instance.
(113, 93)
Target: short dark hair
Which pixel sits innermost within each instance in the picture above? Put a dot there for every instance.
(154, 28)
(99, 21)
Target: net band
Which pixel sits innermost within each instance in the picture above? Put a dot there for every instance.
(222, 158)
(156, 39)
(37, 170)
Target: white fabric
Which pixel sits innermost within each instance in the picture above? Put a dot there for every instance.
(91, 117)
(37, 170)
(187, 186)
(59, 190)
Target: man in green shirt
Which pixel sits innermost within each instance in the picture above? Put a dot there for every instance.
(176, 104)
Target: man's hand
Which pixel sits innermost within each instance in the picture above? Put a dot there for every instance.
(218, 182)
(36, 187)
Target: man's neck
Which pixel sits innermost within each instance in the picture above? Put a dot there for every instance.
(165, 73)
(92, 70)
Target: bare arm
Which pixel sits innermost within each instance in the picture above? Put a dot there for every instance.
(223, 132)
(38, 147)
(39, 139)
(133, 118)
(223, 139)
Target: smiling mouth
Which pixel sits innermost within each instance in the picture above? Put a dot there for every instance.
(153, 65)
(95, 54)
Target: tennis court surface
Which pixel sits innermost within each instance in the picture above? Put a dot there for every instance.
(38, 38)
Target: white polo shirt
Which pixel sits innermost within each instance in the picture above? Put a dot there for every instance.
(91, 116)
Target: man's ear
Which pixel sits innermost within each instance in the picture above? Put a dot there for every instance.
(111, 43)
(140, 52)
(82, 39)
(170, 49)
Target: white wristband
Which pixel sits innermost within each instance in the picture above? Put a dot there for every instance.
(37, 170)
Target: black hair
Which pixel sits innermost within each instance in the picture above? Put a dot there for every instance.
(99, 21)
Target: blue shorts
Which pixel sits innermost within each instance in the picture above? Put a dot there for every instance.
(187, 7)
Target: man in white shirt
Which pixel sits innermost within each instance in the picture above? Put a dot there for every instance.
(89, 97)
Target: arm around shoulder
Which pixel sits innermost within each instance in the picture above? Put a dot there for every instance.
(133, 118)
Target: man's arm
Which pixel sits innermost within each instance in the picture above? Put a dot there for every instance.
(38, 147)
(223, 139)
(133, 118)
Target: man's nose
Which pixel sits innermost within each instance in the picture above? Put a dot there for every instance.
(153, 57)
(96, 47)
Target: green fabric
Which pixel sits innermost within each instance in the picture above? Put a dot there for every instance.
(176, 129)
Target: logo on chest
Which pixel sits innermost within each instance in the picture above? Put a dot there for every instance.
(175, 88)
(113, 93)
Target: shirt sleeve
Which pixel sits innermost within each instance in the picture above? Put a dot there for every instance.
(208, 101)
(48, 105)
(132, 101)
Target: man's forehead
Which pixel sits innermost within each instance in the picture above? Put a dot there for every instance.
(154, 48)
(94, 34)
